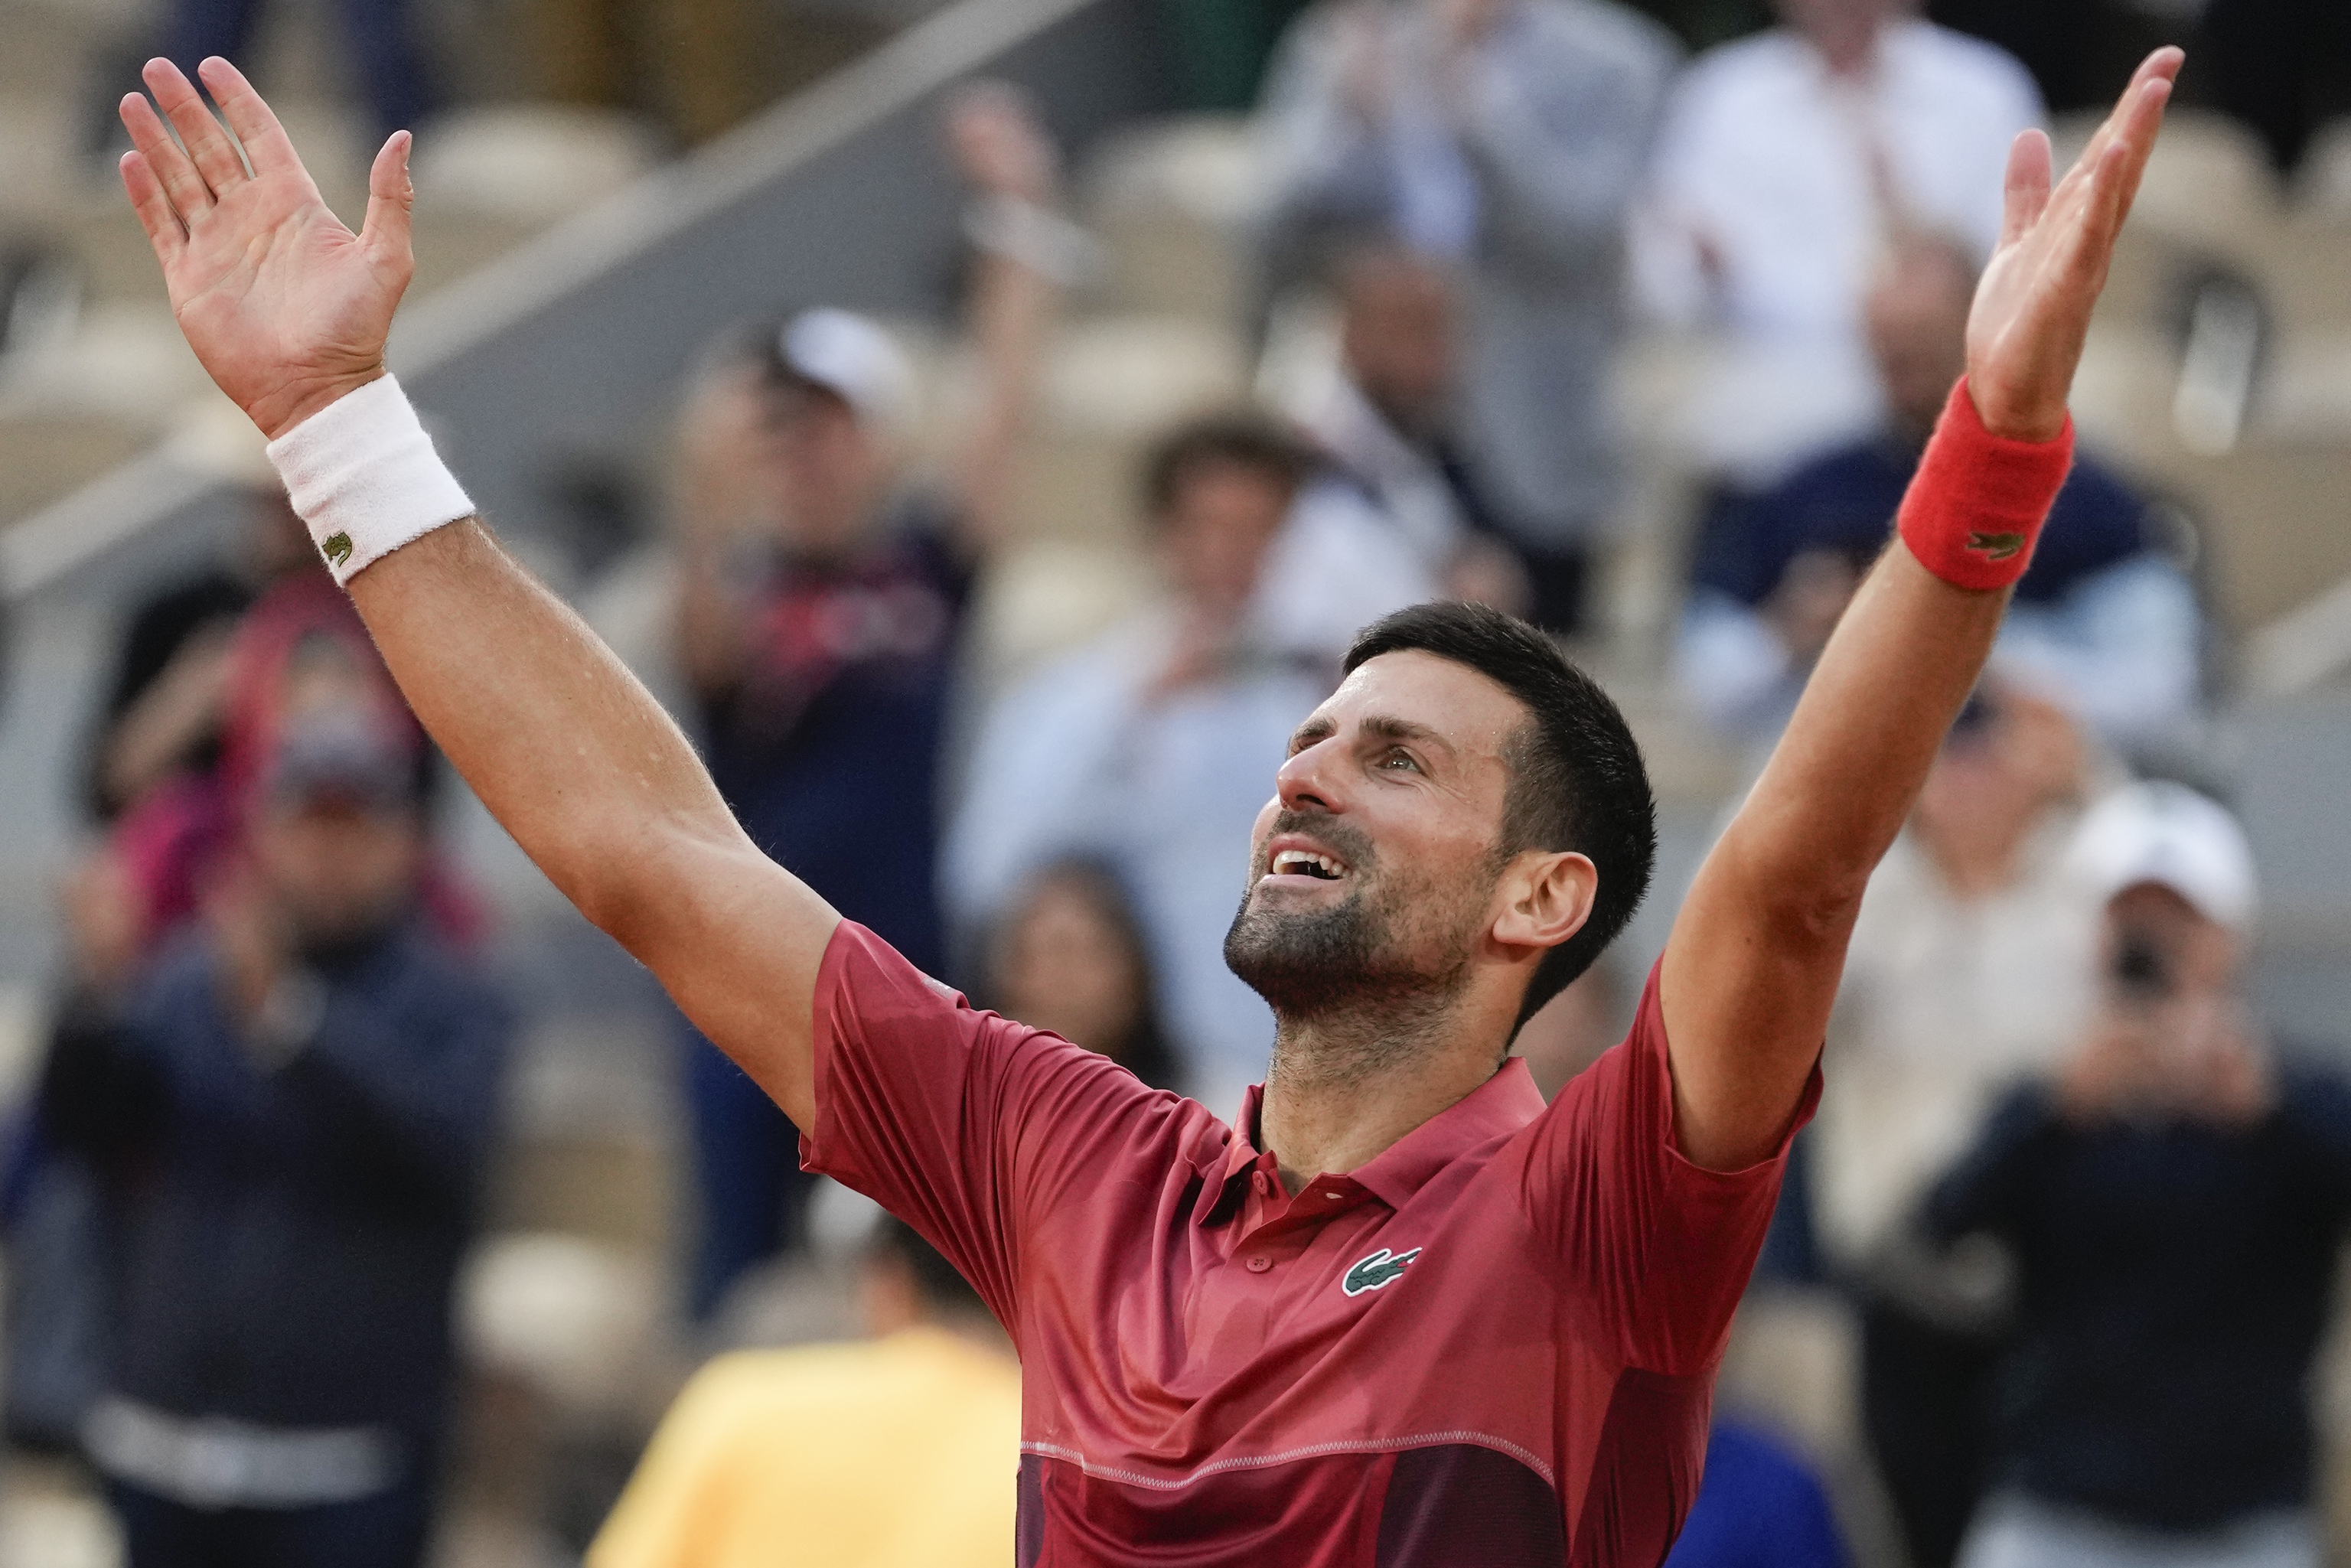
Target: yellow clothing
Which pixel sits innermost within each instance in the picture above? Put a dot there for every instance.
(900, 1452)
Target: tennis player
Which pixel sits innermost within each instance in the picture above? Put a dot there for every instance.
(1397, 1311)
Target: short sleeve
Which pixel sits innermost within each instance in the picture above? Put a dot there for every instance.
(966, 1126)
(1656, 1250)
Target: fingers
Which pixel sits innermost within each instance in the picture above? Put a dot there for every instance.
(267, 145)
(2027, 192)
(164, 230)
(178, 176)
(2162, 64)
(208, 145)
(391, 195)
(2143, 118)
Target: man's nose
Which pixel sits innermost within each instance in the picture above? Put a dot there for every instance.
(1307, 781)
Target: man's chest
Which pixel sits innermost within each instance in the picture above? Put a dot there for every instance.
(1332, 1323)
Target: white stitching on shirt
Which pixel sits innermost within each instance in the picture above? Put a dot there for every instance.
(1313, 1450)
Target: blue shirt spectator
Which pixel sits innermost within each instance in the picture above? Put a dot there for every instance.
(2174, 1280)
(291, 1107)
(2103, 622)
(1759, 1507)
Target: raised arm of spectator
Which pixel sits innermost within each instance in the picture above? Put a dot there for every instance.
(1320, 128)
(1559, 148)
(1752, 966)
(288, 311)
(1026, 252)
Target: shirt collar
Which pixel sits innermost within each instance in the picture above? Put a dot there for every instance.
(1495, 1109)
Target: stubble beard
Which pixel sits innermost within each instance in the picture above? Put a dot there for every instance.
(1357, 985)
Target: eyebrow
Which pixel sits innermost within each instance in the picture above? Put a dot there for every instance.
(1389, 727)
(1384, 726)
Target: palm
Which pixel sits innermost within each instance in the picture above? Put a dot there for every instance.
(285, 306)
(2032, 309)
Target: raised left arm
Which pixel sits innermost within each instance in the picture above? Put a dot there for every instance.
(1752, 967)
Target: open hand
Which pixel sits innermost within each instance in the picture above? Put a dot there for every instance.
(2032, 307)
(286, 307)
(1000, 146)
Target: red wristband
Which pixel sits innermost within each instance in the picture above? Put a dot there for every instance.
(1974, 509)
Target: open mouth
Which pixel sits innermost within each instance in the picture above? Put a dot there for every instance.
(1306, 862)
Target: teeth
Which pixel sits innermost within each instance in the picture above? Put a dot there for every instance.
(1303, 863)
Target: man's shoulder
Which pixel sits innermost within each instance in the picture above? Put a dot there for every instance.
(1104, 665)
(1612, 35)
(1760, 65)
(1956, 61)
(176, 989)
(1869, 463)
(415, 959)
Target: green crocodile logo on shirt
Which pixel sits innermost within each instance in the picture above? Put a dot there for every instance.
(1995, 547)
(1380, 1268)
(338, 549)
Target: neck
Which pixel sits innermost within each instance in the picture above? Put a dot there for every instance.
(1849, 53)
(1346, 1084)
(1979, 857)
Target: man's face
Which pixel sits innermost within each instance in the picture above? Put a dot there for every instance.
(1845, 31)
(339, 870)
(824, 469)
(2159, 947)
(1372, 870)
(1399, 340)
(1917, 319)
(1215, 532)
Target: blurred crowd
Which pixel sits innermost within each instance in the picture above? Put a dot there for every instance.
(2079, 1211)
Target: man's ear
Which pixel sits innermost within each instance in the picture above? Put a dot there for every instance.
(1545, 897)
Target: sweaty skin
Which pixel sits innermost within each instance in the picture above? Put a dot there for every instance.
(289, 310)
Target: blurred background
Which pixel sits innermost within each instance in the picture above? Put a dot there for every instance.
(983, 424)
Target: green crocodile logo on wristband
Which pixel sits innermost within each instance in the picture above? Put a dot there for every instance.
(338, 549)
(1991, 547)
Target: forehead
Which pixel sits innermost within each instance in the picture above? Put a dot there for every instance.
(1473, 713)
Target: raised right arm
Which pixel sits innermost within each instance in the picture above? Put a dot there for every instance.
(288, 311)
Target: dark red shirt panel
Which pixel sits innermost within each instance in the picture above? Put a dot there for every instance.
(1497, 1338)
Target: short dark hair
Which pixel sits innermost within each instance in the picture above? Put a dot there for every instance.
(1238, 438)
(1577, 781)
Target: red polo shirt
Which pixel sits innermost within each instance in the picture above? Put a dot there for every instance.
(1492, 1346)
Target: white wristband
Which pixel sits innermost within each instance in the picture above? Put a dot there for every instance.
(364, 474)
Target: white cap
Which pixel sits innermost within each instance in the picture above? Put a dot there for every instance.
(2164, 832)
(850, 356)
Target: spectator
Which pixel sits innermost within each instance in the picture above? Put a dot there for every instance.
(2175, 1202)
(1787, 162)
(1965, 969)
(893, 1453)
(383, 44)
(1506, 137)
(163, 706)
(2102, 620)
(293, 1106)
(1759, 1506)
(298, 646)
(1385, 420)
(824, 591)
(1150, 748)
(1069, 957)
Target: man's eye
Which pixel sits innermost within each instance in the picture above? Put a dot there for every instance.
(1404, 759)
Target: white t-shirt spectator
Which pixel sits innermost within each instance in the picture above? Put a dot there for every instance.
(1773, 165)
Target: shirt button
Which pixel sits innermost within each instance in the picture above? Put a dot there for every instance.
(1259, 1265)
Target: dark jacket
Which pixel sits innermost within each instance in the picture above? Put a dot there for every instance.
(2174, 1281)
(286, 1240)
(1845, 501)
